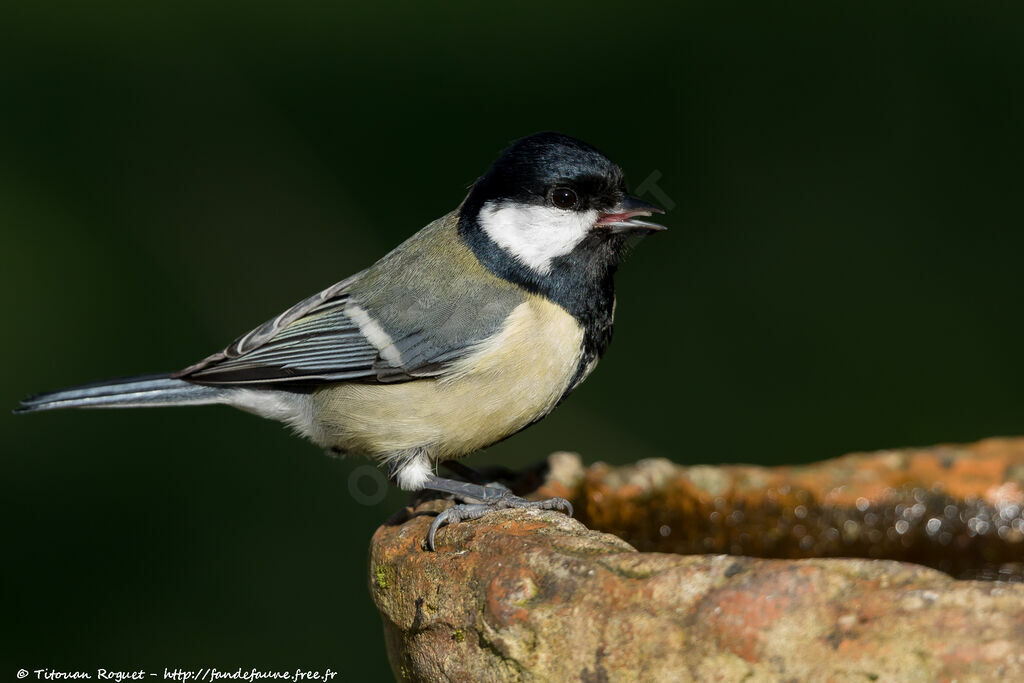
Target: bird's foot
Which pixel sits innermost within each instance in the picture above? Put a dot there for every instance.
(504, 500)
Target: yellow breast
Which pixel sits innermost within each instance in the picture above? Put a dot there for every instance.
(506, 382)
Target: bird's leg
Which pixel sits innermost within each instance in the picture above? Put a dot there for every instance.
(469, 474)
(478, 500)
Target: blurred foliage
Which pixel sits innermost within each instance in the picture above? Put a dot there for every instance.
(843, 269)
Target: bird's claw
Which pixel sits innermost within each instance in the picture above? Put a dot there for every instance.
(467, 511)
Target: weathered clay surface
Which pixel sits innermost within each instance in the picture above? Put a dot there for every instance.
(958, 508)
(536, 596)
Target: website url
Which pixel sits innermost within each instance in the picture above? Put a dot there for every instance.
(208, 675)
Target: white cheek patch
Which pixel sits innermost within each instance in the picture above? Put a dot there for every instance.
(535, 235)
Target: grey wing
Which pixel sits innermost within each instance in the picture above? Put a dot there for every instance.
(384, 324)
(325, 345)
(313, 340)
(327, 338)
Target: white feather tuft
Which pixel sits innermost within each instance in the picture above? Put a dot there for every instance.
(295, 410)
(413, 473)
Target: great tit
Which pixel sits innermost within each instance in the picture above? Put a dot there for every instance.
(469, 331)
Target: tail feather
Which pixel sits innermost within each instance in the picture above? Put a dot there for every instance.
(130, 392)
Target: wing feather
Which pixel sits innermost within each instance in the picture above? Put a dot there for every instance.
(322, 345)
(381, 325)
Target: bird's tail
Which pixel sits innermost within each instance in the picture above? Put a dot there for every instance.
(129, 392)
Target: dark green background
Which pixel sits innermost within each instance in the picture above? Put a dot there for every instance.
(843, 270)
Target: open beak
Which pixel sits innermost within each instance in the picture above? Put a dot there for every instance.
(623, 218)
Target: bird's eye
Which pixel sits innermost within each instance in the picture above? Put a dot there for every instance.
(564, 198)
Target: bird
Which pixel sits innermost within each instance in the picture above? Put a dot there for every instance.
(471, 330)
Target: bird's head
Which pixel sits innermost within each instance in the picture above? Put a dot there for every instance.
(549, 195)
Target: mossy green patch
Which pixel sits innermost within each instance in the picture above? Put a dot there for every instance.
(383, 575)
